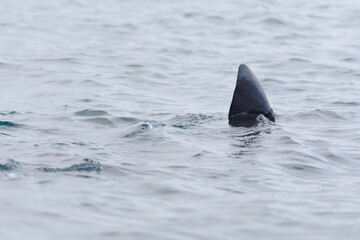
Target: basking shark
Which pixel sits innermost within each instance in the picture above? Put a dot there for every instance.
(249, 100)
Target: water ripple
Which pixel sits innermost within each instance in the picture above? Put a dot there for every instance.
(190, 120)
(9, 124)
(88, 165)
(89, 112)
(9, 165)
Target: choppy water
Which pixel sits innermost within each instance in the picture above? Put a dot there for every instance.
(113, 120)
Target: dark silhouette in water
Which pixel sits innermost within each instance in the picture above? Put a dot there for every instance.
(249, 100)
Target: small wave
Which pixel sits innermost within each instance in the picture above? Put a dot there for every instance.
(100, 121)
(9, 124)
(178, 167)
(299, 60)
(190, 120)
(201, 154)
(316, 114)
(215, 18)
(191, 15)
(126, 120)
(136, 129)
(349, 59)
(288, 140)
(272, 80)
(65, 60)
(90, 113)
(274, 21)
(352, 104)
(9, 165)
(93, 83)
(302, 167)
(85, 100)
(87, 166)
(9, 113)
(5, 134)
(134, 65)
(230, 190)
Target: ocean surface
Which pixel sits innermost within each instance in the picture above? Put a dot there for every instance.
(113, 120)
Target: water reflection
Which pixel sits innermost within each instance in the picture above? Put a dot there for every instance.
(246, 140)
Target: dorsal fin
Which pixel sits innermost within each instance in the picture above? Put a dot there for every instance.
(249, 97)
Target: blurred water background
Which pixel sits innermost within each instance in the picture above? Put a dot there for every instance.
(113, 120)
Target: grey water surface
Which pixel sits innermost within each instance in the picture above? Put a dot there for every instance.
(113, 120)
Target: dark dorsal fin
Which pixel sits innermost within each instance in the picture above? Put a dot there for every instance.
(249, 97)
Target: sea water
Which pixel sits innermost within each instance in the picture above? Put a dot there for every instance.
(113, 120)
